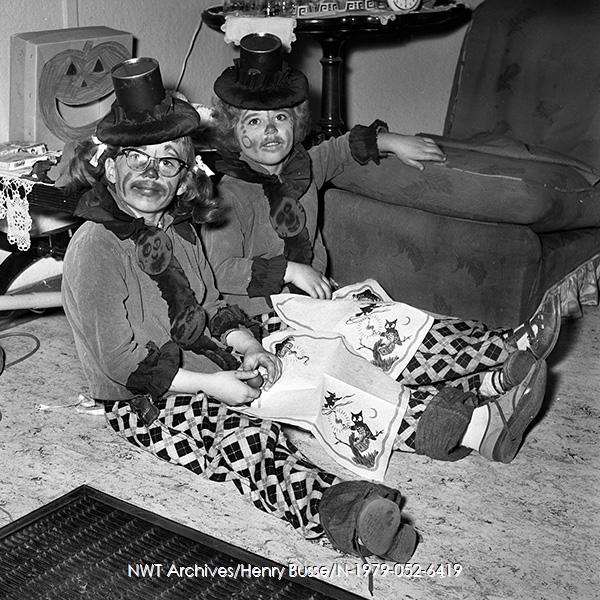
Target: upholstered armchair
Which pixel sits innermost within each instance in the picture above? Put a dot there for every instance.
(515, 210)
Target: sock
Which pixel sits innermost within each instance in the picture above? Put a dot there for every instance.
(492, 384)
(476, 428)
(522, 341)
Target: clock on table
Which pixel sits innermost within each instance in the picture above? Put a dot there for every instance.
(404, 5)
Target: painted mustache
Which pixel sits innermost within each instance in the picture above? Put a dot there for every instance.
(147, 185)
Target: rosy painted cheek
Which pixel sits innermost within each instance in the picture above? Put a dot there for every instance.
(247, 142)
(122, 183)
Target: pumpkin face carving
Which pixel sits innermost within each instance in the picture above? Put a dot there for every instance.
(77, 78)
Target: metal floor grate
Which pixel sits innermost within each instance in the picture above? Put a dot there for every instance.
(90, 545)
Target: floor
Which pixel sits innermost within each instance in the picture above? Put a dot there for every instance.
(529, 530)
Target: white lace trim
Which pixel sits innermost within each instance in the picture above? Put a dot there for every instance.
(15, 207)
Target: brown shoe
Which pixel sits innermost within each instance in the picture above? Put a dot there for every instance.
(363, 518)
(540, 332)
(511, 414)
(516, 367)
(381, 531)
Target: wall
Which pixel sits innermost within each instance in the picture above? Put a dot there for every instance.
(406, 83)
(17, 17)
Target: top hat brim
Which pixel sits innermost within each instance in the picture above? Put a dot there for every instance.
(172, 119)
(283, 91)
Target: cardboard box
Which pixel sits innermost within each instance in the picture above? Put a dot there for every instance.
(60, 82)
(18, 161)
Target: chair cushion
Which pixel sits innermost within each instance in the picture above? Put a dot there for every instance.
(497, 180)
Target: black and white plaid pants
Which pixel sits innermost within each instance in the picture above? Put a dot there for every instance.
(208, 438)
(454, 352)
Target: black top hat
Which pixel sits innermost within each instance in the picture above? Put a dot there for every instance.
(260, 79)
(143, 113)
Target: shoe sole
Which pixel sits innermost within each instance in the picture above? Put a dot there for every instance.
(528, 406)
(557, 311)
(377, 525)
(403, 546)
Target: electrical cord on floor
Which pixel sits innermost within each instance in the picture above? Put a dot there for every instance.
(6, 365)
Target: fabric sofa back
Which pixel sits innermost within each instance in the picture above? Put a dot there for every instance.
(530, 70)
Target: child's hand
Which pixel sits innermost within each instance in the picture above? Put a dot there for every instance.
(410, 149)
(229, 387)
(259, 357)
(308, 280)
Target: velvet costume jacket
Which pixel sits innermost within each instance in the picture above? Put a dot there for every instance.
(119, 318)
(246, 253)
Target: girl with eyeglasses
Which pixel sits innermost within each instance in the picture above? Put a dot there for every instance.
(159, 347)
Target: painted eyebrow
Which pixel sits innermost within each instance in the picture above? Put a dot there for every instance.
(165, 149)
(145, 148)
(170, 147)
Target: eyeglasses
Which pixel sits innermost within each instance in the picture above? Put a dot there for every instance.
(167, 166)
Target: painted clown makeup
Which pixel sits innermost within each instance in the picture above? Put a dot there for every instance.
(147, 193)
(266, 136)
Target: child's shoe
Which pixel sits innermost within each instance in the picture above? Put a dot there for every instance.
(363, 518)
(540, 332)
(511, 414)
(516, 367)
(381, 532)
(513, 371)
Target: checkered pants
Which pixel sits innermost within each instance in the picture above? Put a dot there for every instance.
(454, 352)
(208, 438)
(270, 323)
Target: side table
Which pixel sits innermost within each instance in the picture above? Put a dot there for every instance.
(333, 31)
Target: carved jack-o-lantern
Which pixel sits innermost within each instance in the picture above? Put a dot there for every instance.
(76, 78)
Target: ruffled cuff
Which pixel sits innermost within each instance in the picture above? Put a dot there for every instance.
(156, 372)
(267, 276)
(232, 317)
(363, 142)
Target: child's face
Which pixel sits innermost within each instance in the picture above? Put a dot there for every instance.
(148, 191)
(266, 136)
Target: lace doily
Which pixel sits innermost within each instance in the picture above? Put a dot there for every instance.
(15, 207)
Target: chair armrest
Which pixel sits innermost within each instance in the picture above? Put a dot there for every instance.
(484, 186)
